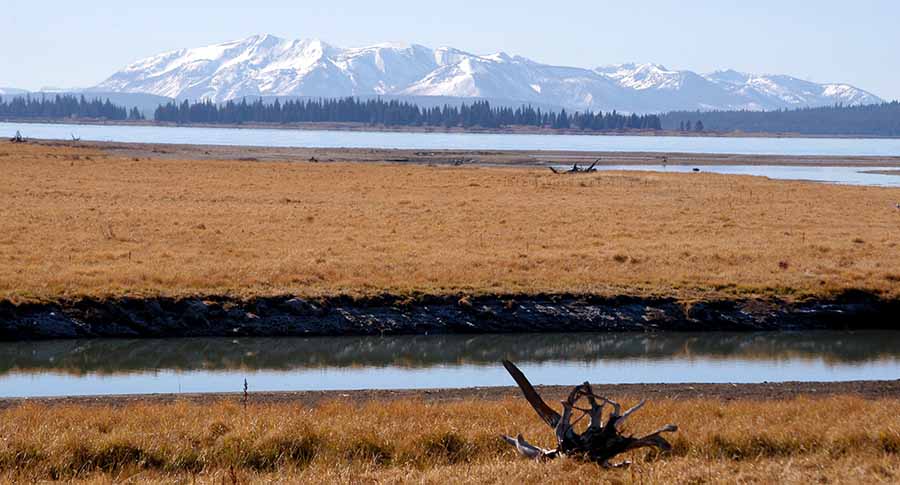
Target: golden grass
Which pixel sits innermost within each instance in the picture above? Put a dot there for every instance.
(76, 222)
(833, 440)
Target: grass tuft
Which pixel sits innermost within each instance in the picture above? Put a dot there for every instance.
(370, 450)
(447, 447)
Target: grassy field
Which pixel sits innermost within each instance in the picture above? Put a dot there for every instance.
(82, 222)
(832, 440)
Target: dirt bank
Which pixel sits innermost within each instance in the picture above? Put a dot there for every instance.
(390, 315)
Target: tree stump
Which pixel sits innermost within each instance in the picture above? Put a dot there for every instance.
(600, 442)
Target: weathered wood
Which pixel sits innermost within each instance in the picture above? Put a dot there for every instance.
(543, 410)
(576, 169)
(600, 442)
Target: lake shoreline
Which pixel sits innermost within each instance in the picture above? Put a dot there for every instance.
(457, 157)
(290, 316)
(516, 130)
(767, 391)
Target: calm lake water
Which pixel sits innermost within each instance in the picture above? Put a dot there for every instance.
(459, 141)
(220, 365)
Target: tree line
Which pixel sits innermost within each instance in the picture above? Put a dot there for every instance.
(691, 126)
(396, 113)
(867, 120)
(65, 106)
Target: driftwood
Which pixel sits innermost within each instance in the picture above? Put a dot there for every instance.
(599, 442)
(576, 169)
(18, 138)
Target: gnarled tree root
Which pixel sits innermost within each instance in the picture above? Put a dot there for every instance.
(600, 442)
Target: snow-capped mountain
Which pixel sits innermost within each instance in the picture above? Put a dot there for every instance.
(265, 65)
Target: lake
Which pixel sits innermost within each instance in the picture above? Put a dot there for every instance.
(459, 141)
(88, 367)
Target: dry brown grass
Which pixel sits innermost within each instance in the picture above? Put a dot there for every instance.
(833, 440)
(77, 222)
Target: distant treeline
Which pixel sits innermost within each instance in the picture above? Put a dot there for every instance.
(65, 106)
(869, 120)
(396, 113)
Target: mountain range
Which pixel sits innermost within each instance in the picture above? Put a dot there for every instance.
(265, 65)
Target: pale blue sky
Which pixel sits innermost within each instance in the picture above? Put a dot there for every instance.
(79, 43)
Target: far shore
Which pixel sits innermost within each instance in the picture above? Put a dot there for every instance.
(512, 130)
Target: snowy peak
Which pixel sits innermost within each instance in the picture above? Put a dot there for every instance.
(728, 89)
(728, 76)
(644, 76)
(266, 65)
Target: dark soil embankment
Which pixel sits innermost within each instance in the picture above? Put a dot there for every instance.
(388, 315)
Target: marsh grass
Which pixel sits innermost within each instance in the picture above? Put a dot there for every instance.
(103, 224)
(838, 439)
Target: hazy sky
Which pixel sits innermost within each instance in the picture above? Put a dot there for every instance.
(72, 43)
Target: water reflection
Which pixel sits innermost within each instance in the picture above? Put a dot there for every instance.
(104, 357)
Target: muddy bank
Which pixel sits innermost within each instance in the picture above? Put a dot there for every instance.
(512, 158)
(388, 315)
(769, 391)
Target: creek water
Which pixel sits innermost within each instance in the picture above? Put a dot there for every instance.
(89, 367)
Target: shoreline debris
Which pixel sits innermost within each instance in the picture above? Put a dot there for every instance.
(576, 169)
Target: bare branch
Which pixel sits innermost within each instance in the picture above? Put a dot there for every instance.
(617, 408)
(563, 426)
(543, 410)
(621, 420)
(525, 448)
(654, 440)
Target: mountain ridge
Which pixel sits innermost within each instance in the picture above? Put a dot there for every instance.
(266, 65)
